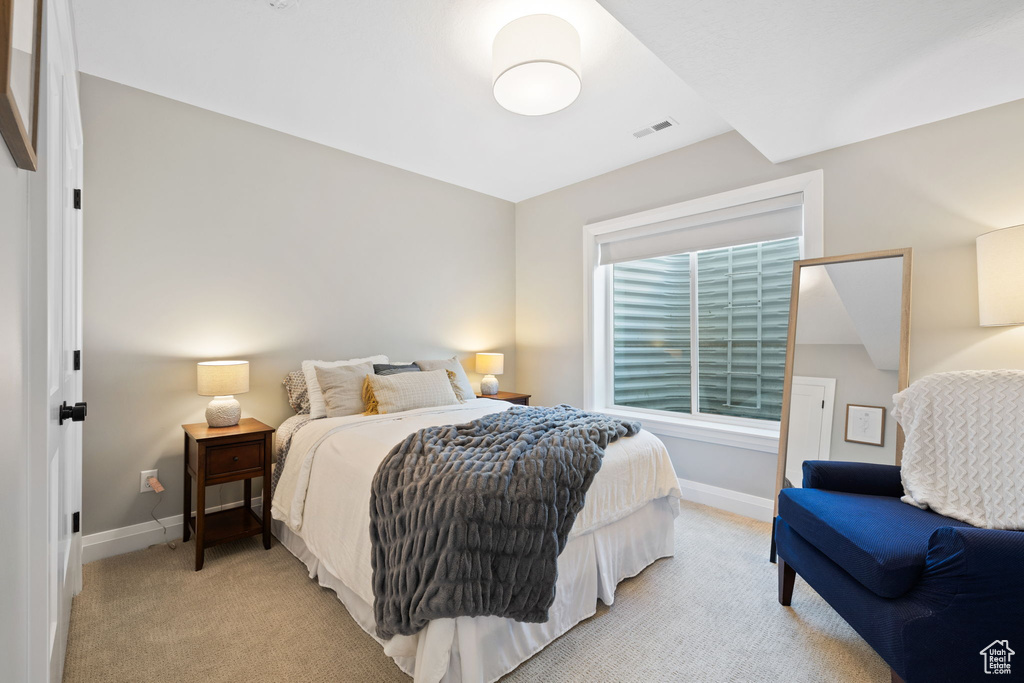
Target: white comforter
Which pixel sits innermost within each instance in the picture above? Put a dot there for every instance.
(324, 490)
(323, 495)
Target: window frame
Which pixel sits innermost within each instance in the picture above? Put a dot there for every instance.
(598, 355)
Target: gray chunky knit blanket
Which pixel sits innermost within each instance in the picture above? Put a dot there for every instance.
(469, 520)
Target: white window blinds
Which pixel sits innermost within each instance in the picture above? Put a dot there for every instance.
(761, 221)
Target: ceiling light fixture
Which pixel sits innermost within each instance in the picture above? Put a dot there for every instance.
(537, 65)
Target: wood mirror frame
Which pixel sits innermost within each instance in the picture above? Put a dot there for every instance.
(19, 129)
(903, 374)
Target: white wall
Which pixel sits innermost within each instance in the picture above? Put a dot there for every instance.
(14, 524)
(933, 188)
(207, 237)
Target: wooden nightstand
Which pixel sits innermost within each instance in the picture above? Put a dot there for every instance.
(518, 399)
(218, 455)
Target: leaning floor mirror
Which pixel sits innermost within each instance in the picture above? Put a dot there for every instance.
(846, 355)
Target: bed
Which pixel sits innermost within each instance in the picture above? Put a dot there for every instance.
(321, 512)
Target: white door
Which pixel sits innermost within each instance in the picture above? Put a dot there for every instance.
(64, 383)
(810, 424)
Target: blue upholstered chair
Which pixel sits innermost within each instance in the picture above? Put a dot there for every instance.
(927, 592)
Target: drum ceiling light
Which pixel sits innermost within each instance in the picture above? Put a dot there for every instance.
(537, 65)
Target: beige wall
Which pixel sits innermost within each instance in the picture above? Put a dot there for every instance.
(208, 237)
(933, 188)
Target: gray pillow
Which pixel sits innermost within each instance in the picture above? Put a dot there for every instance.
(342, 388)
(392, 369)
(463, 389)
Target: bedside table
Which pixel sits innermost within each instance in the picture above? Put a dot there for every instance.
(518, 399)
(218, 455)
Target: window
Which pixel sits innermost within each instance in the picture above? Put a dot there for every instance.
(723, 312)
(689, 310)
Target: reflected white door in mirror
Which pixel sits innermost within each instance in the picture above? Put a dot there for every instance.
(811, 406)
(846, 351)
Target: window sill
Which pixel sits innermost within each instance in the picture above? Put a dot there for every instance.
(765, 440)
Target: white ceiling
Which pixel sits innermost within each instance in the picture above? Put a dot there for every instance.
(802, 76)
(408, 82)
(404, 82)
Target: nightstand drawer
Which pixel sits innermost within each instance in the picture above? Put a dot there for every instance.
(224, 460)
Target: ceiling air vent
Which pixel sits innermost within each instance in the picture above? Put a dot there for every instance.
(654, 128)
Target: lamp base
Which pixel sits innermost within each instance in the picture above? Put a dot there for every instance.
(223, 411)
(489, 385)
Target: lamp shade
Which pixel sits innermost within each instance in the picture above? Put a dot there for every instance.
(536, 65)
(223, 377)
(1001, 277)
(490, 363)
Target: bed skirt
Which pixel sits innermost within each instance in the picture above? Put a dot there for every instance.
(483, 649)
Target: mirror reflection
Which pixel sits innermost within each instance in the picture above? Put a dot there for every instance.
(846, 363)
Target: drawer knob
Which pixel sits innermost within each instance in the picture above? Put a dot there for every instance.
(235, 458)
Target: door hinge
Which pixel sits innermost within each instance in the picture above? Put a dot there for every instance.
(78, 198)
(78, 361)
(76, 522)
(822, 400)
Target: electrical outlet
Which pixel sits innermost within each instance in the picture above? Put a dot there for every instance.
(144, 486)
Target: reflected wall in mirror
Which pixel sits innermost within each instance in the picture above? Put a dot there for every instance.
(847, 354)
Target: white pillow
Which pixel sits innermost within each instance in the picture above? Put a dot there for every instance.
(342, 388)
(411, 390)
(463, 389)
(317, 405)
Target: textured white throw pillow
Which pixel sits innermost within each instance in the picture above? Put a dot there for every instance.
(317, 406)
(463, 389)
(342, 388)
(412, 390)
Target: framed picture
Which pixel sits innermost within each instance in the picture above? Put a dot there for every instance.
(21, 23)
(865, 424)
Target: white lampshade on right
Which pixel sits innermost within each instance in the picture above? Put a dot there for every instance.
(489, 365)
(1001, 277)
(536, 65)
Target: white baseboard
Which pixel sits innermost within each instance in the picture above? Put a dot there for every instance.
(139, 536)
(726, 499)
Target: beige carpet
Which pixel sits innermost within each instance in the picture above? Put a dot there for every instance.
(708, 614)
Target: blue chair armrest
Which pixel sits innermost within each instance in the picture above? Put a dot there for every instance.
(853, 477)
(983, 561)
(972, 587)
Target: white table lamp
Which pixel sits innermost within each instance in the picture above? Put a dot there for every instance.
(489, 365)
(222, 379)
(1001, 277)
